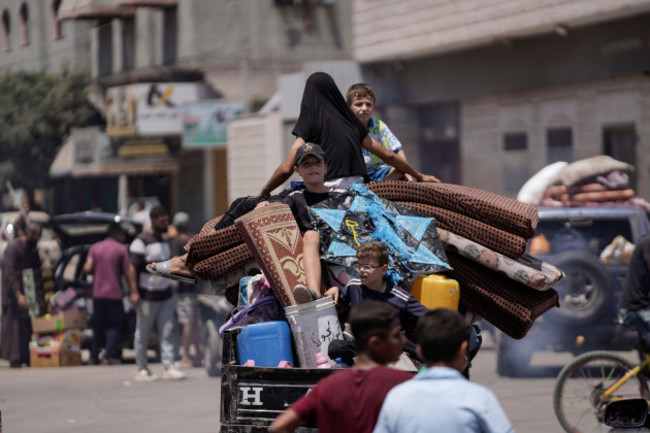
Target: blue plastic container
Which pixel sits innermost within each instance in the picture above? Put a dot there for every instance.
(266, 343)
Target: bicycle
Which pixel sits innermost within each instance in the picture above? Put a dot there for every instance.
(593, 379)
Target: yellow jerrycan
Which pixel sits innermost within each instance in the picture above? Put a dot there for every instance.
(436, 291)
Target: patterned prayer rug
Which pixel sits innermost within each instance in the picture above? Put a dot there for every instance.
(273, 237)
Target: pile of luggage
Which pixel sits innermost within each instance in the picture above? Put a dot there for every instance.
(597, 181)
(483, 234)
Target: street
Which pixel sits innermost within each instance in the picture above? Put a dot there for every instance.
(103, 399)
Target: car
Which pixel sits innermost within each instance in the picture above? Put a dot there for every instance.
(77, 232)
(589, 295)
(48, 246)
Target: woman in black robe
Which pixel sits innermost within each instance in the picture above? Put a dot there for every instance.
(326, 119)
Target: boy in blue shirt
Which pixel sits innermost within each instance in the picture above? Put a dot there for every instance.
(361, 99)
(372, 265)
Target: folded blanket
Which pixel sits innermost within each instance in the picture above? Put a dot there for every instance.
(496, 210)
(600, 196)
(222, 263)
(208, 243)
(512, 307)
(494, 238)
(542, 279)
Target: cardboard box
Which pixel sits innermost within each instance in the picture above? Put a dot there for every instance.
(54, 359)
(56, 350)
(59, 322)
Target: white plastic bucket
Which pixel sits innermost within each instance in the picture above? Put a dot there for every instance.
(313, 326)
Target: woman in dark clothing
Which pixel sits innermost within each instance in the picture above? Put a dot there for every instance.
(326, 119)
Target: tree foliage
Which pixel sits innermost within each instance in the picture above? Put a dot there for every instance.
(37, 111)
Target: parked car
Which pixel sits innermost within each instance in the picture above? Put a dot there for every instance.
(589, 295)
(48, 246)
(77, 233)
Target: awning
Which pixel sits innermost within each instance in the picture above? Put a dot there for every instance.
(148, 3)
(93, 9)
(64, 165)
(109, 169)
(64, 160)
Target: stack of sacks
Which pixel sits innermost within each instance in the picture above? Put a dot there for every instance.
(484, 236)
(596, 181)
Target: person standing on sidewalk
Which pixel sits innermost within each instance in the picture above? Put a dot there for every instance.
(108, 261)
(153, 298)
(187, 309)
(21, 254)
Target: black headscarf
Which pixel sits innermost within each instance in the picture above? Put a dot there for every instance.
(326, 119)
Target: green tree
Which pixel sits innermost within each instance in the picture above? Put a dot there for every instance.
(37, 111)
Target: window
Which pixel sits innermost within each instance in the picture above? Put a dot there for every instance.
(559, 145)
(128, 43)
(515, 146)
(439, 143)
(619, 142)
(6, 31)
(169, 37)
(57, 25)
(23, 25)
(105, 48)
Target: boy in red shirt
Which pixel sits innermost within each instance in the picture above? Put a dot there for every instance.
(350, 400)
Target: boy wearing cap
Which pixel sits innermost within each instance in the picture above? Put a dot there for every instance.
(310, 164)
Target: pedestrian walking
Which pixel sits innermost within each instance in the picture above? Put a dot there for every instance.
(153, 298)
(440, 398)
(187, 309)
(108, 262)
(349, 400)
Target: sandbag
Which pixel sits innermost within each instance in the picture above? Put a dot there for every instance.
(590, 167)
(537, 184)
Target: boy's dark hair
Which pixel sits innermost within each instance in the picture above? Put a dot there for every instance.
(370, 318)
(20, 224)
(375, 250)
(440, 333)
(157, 211)
(115, 227)
(360, 90)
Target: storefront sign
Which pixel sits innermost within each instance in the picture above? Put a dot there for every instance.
(149, 109)
(204, 123)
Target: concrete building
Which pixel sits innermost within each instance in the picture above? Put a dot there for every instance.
(480, 92)
(32, 37)
(149, 58)
(487, 92)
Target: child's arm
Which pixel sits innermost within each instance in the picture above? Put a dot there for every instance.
(333, 292)
(284, 170)
(393, 160)
(286, 422)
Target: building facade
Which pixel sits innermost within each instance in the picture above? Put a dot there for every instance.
(486, 93)
(147, 60)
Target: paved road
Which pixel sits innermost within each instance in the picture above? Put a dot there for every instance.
(105, 399)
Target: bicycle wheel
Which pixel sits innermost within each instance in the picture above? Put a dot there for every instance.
(580, 385)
